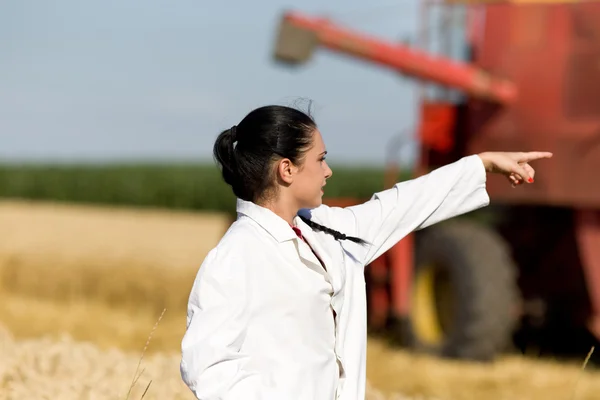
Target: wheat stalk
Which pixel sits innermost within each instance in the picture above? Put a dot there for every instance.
(136, 376)
(581, 372)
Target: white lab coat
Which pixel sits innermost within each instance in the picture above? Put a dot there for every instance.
(260, 323)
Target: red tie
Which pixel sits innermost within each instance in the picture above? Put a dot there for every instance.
(299, 234)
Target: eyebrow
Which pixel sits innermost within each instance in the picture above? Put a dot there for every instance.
(323, 153)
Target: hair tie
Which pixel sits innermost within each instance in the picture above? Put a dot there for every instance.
(233, 133)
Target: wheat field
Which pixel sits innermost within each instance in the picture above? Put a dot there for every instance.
(82, 287)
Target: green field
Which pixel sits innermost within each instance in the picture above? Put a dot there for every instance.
(184, 186)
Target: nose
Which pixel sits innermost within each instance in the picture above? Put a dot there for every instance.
(328, 171)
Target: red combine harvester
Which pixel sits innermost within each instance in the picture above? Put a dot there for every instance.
(530, 80)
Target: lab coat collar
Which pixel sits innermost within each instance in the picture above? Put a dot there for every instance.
(271, 222)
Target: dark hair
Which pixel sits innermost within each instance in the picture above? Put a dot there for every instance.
(246, 152)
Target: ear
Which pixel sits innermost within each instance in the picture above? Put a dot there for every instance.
(286, 170)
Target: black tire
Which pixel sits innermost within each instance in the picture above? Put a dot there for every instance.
(483, 290)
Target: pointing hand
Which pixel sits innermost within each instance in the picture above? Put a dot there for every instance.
(515, 166)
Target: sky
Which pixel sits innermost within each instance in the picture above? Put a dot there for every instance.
(114, 80)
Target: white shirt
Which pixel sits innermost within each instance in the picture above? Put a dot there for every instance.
(260, 323)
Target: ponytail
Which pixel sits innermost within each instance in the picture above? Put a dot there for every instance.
(224, 154)
(337, 235)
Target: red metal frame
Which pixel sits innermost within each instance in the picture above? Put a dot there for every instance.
(588, 240)
(409, 61)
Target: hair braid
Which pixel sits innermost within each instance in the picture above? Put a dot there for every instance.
(337, 235)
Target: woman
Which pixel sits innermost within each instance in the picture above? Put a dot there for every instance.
(278, 308)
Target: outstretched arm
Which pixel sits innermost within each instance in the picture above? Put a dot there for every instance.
(446, 192)
(411, 205)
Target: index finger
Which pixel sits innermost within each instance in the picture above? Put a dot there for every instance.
(534, 155)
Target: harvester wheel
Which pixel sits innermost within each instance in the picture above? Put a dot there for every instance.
(465, 293)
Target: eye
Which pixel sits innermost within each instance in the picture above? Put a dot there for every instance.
(323, 158)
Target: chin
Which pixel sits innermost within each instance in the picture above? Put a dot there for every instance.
(313, 204)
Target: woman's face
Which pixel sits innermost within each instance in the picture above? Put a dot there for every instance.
(311, 176)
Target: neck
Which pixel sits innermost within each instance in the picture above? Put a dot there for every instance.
(286, 209)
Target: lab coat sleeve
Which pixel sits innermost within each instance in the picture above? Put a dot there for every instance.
(411, 205)
(212, 364)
